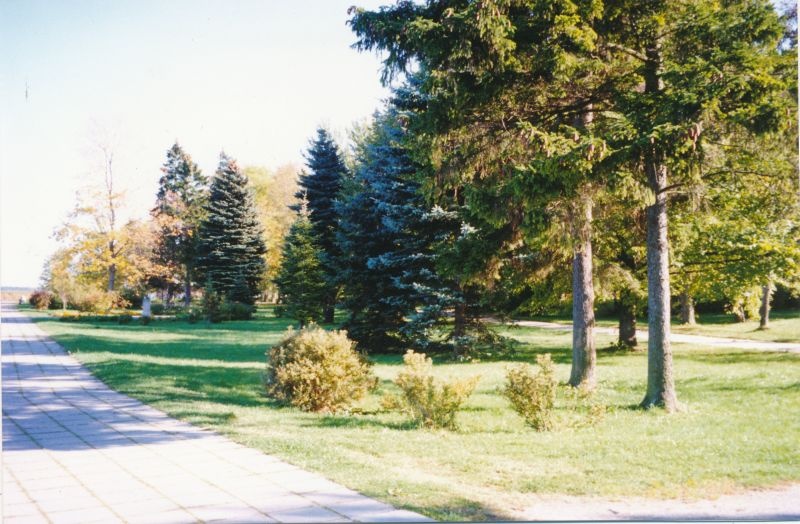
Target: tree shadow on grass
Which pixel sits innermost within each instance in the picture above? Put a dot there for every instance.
(351, 421)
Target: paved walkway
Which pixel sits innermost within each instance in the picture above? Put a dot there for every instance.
(75, 451)
(734, 343)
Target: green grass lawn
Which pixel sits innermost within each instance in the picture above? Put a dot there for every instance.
(784, 326)
(740, 428)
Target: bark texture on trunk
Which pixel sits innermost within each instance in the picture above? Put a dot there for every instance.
(187, 289)
(328, 313)
(687, 309)
(627, 324)
(763, 311)
(660, 380)
(584, 357)
(112, 276)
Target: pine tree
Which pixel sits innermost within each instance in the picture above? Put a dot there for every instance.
(231, 246)
(301, 278)
(320, 188)
(179, 211)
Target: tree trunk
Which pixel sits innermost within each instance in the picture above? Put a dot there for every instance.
(627, 321)
(687, 309)
(763, 311)
(112, 276)
(583, 373)
(328, 312)
(660, 381)
(187, 288)
(460, 320)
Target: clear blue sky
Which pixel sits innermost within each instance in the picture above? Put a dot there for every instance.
(252, 77)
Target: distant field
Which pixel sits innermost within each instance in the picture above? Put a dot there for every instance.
(739, 430)
(13, 294)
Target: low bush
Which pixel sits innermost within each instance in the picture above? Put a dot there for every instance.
(56, 302)
(40, 299)
(192, 315)
(431, 403)
(212, 305)
(97, 301)
(317, 370)
(124, 319)
(236, 311)
(533, 394)
(157, 309)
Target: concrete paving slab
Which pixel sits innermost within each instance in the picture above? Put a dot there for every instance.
(75, 451)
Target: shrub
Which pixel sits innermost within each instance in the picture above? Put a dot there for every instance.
(191, 315)
(56, 302)
(157, 309)
(132, 296)
(212, 304)
(532, 394)
(40, 299)
(236, 311)
(125, 319)
(431, 403)
(96, 301)
(317, 370)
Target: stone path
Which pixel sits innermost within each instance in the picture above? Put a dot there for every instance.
(75, 451)
(734, 343)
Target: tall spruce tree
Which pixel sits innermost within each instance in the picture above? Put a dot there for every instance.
(231, 246)
(301, 278)
(386, 236)
(320, 188)
(182, 192)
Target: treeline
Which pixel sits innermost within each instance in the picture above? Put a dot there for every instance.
(533, 155)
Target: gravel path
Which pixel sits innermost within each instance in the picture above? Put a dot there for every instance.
(734, 343)
(75, 451)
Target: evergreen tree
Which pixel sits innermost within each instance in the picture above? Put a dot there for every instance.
(301, 278)
(231, 246)
(178, 212)
(320, 188)
(385, 253)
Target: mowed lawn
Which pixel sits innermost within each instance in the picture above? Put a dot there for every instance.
(784, 326)
(740, 428)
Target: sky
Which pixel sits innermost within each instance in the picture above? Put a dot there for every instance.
(252, 78)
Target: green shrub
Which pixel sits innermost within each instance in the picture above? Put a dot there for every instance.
(191, 315)
(56, 303)
(317, 370)
(430, 403)
(40, 299)
(124, 318)
(212, 305)
(236, 311)
(533, 395)
(157, 309)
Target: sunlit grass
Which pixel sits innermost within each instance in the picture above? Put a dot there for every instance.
(784, 326)
(739, 429)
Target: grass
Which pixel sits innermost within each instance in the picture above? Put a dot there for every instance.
(739, 429)
(784, 326)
